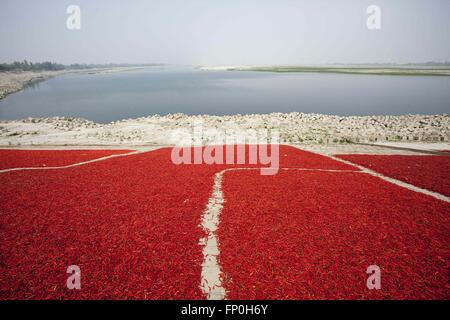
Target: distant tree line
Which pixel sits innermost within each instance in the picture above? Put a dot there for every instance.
(30, 66)
(52, 66)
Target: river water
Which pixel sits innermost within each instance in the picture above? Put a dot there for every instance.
(162, 90)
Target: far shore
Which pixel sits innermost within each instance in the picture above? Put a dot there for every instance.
(356, 69)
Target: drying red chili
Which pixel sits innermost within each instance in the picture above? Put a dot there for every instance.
(429, 172)
(47, 158)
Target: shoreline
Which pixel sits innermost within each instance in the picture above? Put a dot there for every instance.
(333, 69)
(293, 128)
(15, 81)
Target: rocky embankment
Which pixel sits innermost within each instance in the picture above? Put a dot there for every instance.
(293, 128)
(14, 81)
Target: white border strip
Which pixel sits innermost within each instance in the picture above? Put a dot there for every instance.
(211, 282)
(394, 181)
(383, 177)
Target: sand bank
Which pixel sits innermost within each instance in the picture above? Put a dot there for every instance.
(361, 69)
(292, 128)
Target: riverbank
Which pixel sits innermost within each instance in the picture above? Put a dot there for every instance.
(14, 81)
(293, 128)
(364, 70)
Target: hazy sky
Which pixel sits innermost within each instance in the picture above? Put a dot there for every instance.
(212, 32)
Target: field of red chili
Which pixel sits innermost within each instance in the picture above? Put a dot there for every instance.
(132, 225)
(429, 172)
(48, 158)
(312, 235)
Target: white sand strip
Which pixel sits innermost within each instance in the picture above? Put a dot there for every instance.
(395, 181)
(385, 178)
(416, 145)
(211, 282)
